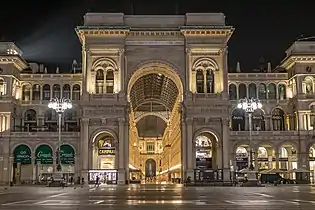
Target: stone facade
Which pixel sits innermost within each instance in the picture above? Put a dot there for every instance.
(190, 50)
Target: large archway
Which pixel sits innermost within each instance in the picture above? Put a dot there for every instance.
(104, 162)
(154, 93)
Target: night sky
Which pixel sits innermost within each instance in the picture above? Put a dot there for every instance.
(45, 29)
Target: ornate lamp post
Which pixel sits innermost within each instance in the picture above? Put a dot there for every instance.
(249, 106)
(60, 106)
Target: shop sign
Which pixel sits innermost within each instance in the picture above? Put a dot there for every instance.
(22, 154)
(106, 151)
(67, 154)
(44, 154)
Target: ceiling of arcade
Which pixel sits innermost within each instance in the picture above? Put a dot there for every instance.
(153, 95)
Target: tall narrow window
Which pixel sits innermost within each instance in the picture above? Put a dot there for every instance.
(200, 82)
(36, 92)
(99, 84)
(272, 91)
(242, 92)
(262, 91)
(252, 90)
(110, 81)
(210, 81)
(232, 92)
(46, 92)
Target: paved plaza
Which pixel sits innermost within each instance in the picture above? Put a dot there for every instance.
(158, 197)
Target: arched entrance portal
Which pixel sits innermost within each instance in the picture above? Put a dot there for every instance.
(154, 93)
(206, 145)
(150, 168)
(104, 164)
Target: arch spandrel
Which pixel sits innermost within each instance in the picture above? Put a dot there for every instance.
(205, 64)
(210, 131)
(105, 63)
(101, 131)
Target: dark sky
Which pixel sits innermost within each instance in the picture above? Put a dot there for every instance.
(45, 29)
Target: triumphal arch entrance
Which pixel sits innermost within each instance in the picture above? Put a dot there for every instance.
(155, 98)
(155, 93)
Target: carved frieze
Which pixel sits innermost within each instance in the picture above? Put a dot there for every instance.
(104, 111)
(103, 121)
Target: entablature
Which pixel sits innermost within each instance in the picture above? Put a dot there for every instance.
(84, 32)
(237, 77)
(103, 111)
(270, 135)
(16, 60)
(289, 61)
(34, 136)
(51, 77)
(192, 31)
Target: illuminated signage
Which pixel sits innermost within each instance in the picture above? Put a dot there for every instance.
(106, 151)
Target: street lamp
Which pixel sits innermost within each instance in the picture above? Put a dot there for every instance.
(249, 106)
(60, 106)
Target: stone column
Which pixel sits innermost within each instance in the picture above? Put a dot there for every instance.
(190, 149)
(184, 146)
(34, 168)
(226, 149)
(122, 156)
(126, 145)
(84, 156)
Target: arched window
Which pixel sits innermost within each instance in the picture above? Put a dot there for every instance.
(70, 119)
(110, 81)
(76, 92)
(232, 92)
(238, 120)
(210, 81)
(272, 91)
(2, 87)
(46, 92)
(51, 120)
(252, 90)
(262, 91)
(282, 91)
(242, 92)
(66, 91)
(56, 91)
(36, 92)
(278, 120)
(99, 83)
(308, 85)
(200, 81)
(30, 120)
(26, 92)
(258, 120)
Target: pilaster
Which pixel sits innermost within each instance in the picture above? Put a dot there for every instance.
(84, 145)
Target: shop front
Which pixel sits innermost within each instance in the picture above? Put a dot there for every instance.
(44, 162)
(22, 164)
(104, 165)
(67, 156)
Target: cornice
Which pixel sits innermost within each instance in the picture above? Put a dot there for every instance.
(88, 31)
(207, 31)
(288, 62)
(16, 60)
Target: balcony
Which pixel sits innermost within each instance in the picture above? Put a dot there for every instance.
(44, 134)
(271, 135)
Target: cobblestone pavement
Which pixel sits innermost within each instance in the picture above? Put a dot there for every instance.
(164, 197)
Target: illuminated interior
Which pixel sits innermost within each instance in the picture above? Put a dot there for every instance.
(155, 134)
(104, 159)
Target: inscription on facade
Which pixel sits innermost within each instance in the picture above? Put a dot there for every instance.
(103, 111)
(155, 43)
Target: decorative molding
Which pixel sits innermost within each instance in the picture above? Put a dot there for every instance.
(155, 43)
